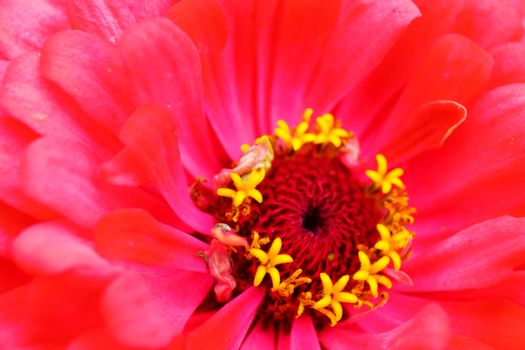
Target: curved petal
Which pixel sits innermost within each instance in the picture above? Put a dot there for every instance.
(109, 19)
(180, 90)
(134, 235)
(34, 251)
(229, 326)
(429, 329)
(149, 310)
(509, 64)
(151, 136)
(259, 338)
(479, 256)
(26, 24)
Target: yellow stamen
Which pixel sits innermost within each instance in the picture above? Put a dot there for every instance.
(245, 187)
(384, 179)
(330, 133)
(300, 134)
(268, 262)
(389, 245)
(369, 272)
(287, 287)
(333, 296)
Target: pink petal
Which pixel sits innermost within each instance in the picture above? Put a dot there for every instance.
(180, 91)
(334, 77)
(429, 329)
(90, 70)
(26, 24)
(259, 338)
(509, 64)
(39, 104)
(479, 164)
(11, 276)
(96, 339)
(148, 311)
(433, 123)
(134, 235)
(34, 253)
(454, 68)
(479, 256)
(490, 22)
(304, 336)
(229, 326)
(151, 136)
(12, 222)
(63, 176)
(14, 138)
(109, 19)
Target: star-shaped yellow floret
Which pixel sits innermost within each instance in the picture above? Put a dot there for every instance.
(300, 134)
(390, 244)
(369, 272)
(330, 133)
(383, 178)
(245, 187)
(333, 295)
(269, 260)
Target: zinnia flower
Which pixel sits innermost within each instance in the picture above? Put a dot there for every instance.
(262, 174)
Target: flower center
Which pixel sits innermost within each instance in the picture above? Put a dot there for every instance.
(297, 216)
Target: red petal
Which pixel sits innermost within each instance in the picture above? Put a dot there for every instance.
(91, 72)
(479, 164)
(26, 24)
(160, 41)
(454, 68)
(11, 276)
(304, 335)
(350, 42)
(228, 327)
(433, 123)
(429, 329)
(148, 311)
(12, 222)
(479, 256)
(498, 323)
(151, 135)
(109, 19)
(509, 64)
(33, 252)
(97, 339)
(134, 235)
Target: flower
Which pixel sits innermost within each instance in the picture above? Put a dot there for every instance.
(121, 121)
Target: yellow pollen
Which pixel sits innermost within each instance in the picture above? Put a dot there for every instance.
(369, 272)
(330, 133)
(245, 187)
(383, 178)
(389, 245)
(287, 287)
(269, 260)
(333, 296)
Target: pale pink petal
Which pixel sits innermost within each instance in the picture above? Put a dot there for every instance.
(26, 24)
(54, 247)
(63, 176)
(259, 338)
(479, 256)
(429, 329)
(151, 136)
(39, 104)
(180, 91)
(89, 70)
(109, 19)
(304, 335)
(229, 326)
(134, 235)
(148, 311)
